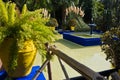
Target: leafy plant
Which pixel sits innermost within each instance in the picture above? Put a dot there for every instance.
(52, 22)
(21, 27)
(111, 46)
(74, 12)
(72, 22)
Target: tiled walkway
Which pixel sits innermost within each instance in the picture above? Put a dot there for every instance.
(89, 56)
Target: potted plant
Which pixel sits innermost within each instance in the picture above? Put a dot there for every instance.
(22, 34)
(72, 23)
(52, 23)
(111, 46)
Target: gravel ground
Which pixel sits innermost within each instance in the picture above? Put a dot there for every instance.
(89, 56)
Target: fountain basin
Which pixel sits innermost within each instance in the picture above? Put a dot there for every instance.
(83, 39)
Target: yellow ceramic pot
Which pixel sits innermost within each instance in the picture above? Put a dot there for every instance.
(25, 57)
(72, 28)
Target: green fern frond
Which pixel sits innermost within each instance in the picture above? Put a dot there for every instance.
(11, 13)
(4, 12)
(24, 10)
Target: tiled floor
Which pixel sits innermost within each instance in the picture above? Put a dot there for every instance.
(89, 56)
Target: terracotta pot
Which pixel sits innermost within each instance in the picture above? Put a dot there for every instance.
(25, 58)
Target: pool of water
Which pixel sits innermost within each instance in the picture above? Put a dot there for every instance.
(86, 35)
(90, 56)
(84, 39)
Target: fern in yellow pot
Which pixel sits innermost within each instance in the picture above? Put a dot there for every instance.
(72, 23)
(22, 34)
(52, 23)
